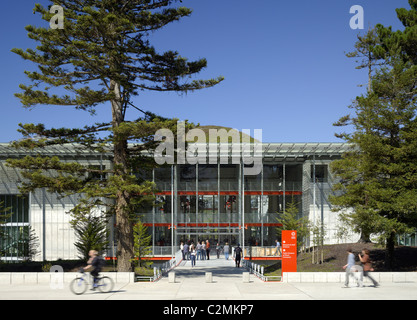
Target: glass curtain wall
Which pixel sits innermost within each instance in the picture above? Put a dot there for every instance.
(207, 201)
(273, 199)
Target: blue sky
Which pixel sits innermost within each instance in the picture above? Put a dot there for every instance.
(284, 65)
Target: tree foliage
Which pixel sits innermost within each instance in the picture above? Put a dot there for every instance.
(92, 234)
(289, 220)
(102, 57)
(378, 185)
(142, 240)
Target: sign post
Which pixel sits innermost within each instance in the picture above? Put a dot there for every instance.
(289, 250)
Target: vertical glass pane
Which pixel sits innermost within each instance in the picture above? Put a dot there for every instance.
(163, 178)
(253, 182)
(186, 209)
(270, 235)
(293, 177)
(207, 204)
(229, 177)
(252, 208)
(229, 208)
(208, 208)
(253, 236)
(163, 204)
(207, 177)
(17, 206)
(273, 204)
(186, 178)
(273, 177)
(321, 173)
(162, 236)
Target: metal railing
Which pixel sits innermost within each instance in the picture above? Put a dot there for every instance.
(157, 274)
(259, 252)
(259, 270)
(163, 270)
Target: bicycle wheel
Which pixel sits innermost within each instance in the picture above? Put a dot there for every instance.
(105, 284)
(78, 285)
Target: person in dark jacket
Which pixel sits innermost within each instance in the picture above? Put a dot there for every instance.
(238, 255)
(95, 262)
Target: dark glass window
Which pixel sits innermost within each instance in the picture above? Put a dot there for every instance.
(293, 177)
(229, 177)
(14, 235)
(321, 173)
(163, 178)
(16, 207)
(207, 177)
(253, 182)
(186, 177)
(273, 175)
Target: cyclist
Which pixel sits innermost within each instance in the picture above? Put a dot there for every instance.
(96, 262)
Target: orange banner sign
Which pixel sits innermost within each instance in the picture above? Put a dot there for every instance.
(289, 250)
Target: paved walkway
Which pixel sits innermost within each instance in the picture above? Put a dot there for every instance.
(227, 285)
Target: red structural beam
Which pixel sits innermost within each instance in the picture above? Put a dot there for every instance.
(218, 225)
(228, 193)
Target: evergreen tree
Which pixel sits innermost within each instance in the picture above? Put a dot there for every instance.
(378, 184)
(92, 234)
(289, 220)
(365, 50)
(142, 244)
(102, 57)
(31, 244)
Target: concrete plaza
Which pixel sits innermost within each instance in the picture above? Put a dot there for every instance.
(227, 284)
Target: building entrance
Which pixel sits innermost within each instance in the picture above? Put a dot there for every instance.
(230, 235)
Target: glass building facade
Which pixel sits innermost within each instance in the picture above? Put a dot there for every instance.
(216, 202)
(220, 204)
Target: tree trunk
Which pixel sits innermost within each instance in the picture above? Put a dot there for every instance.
(124, 226)
(124, 235)
(389, 253)
(364, 238)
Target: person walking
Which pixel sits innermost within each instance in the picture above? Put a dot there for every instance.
(348, 268)
(218, 248)
(278, 251)
(208, 249)
(367, 266)
(186, 251)
(199, 253)
(203, 249)
(226, 249)
(182, 250)
(193, 254)
(238, 255)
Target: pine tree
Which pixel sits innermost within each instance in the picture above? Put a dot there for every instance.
(365, 50)
(289, 220)
(378, 184)
(92, 234)
(142, 244)
(102, 57)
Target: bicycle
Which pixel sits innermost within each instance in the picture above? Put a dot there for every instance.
(80, 284)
